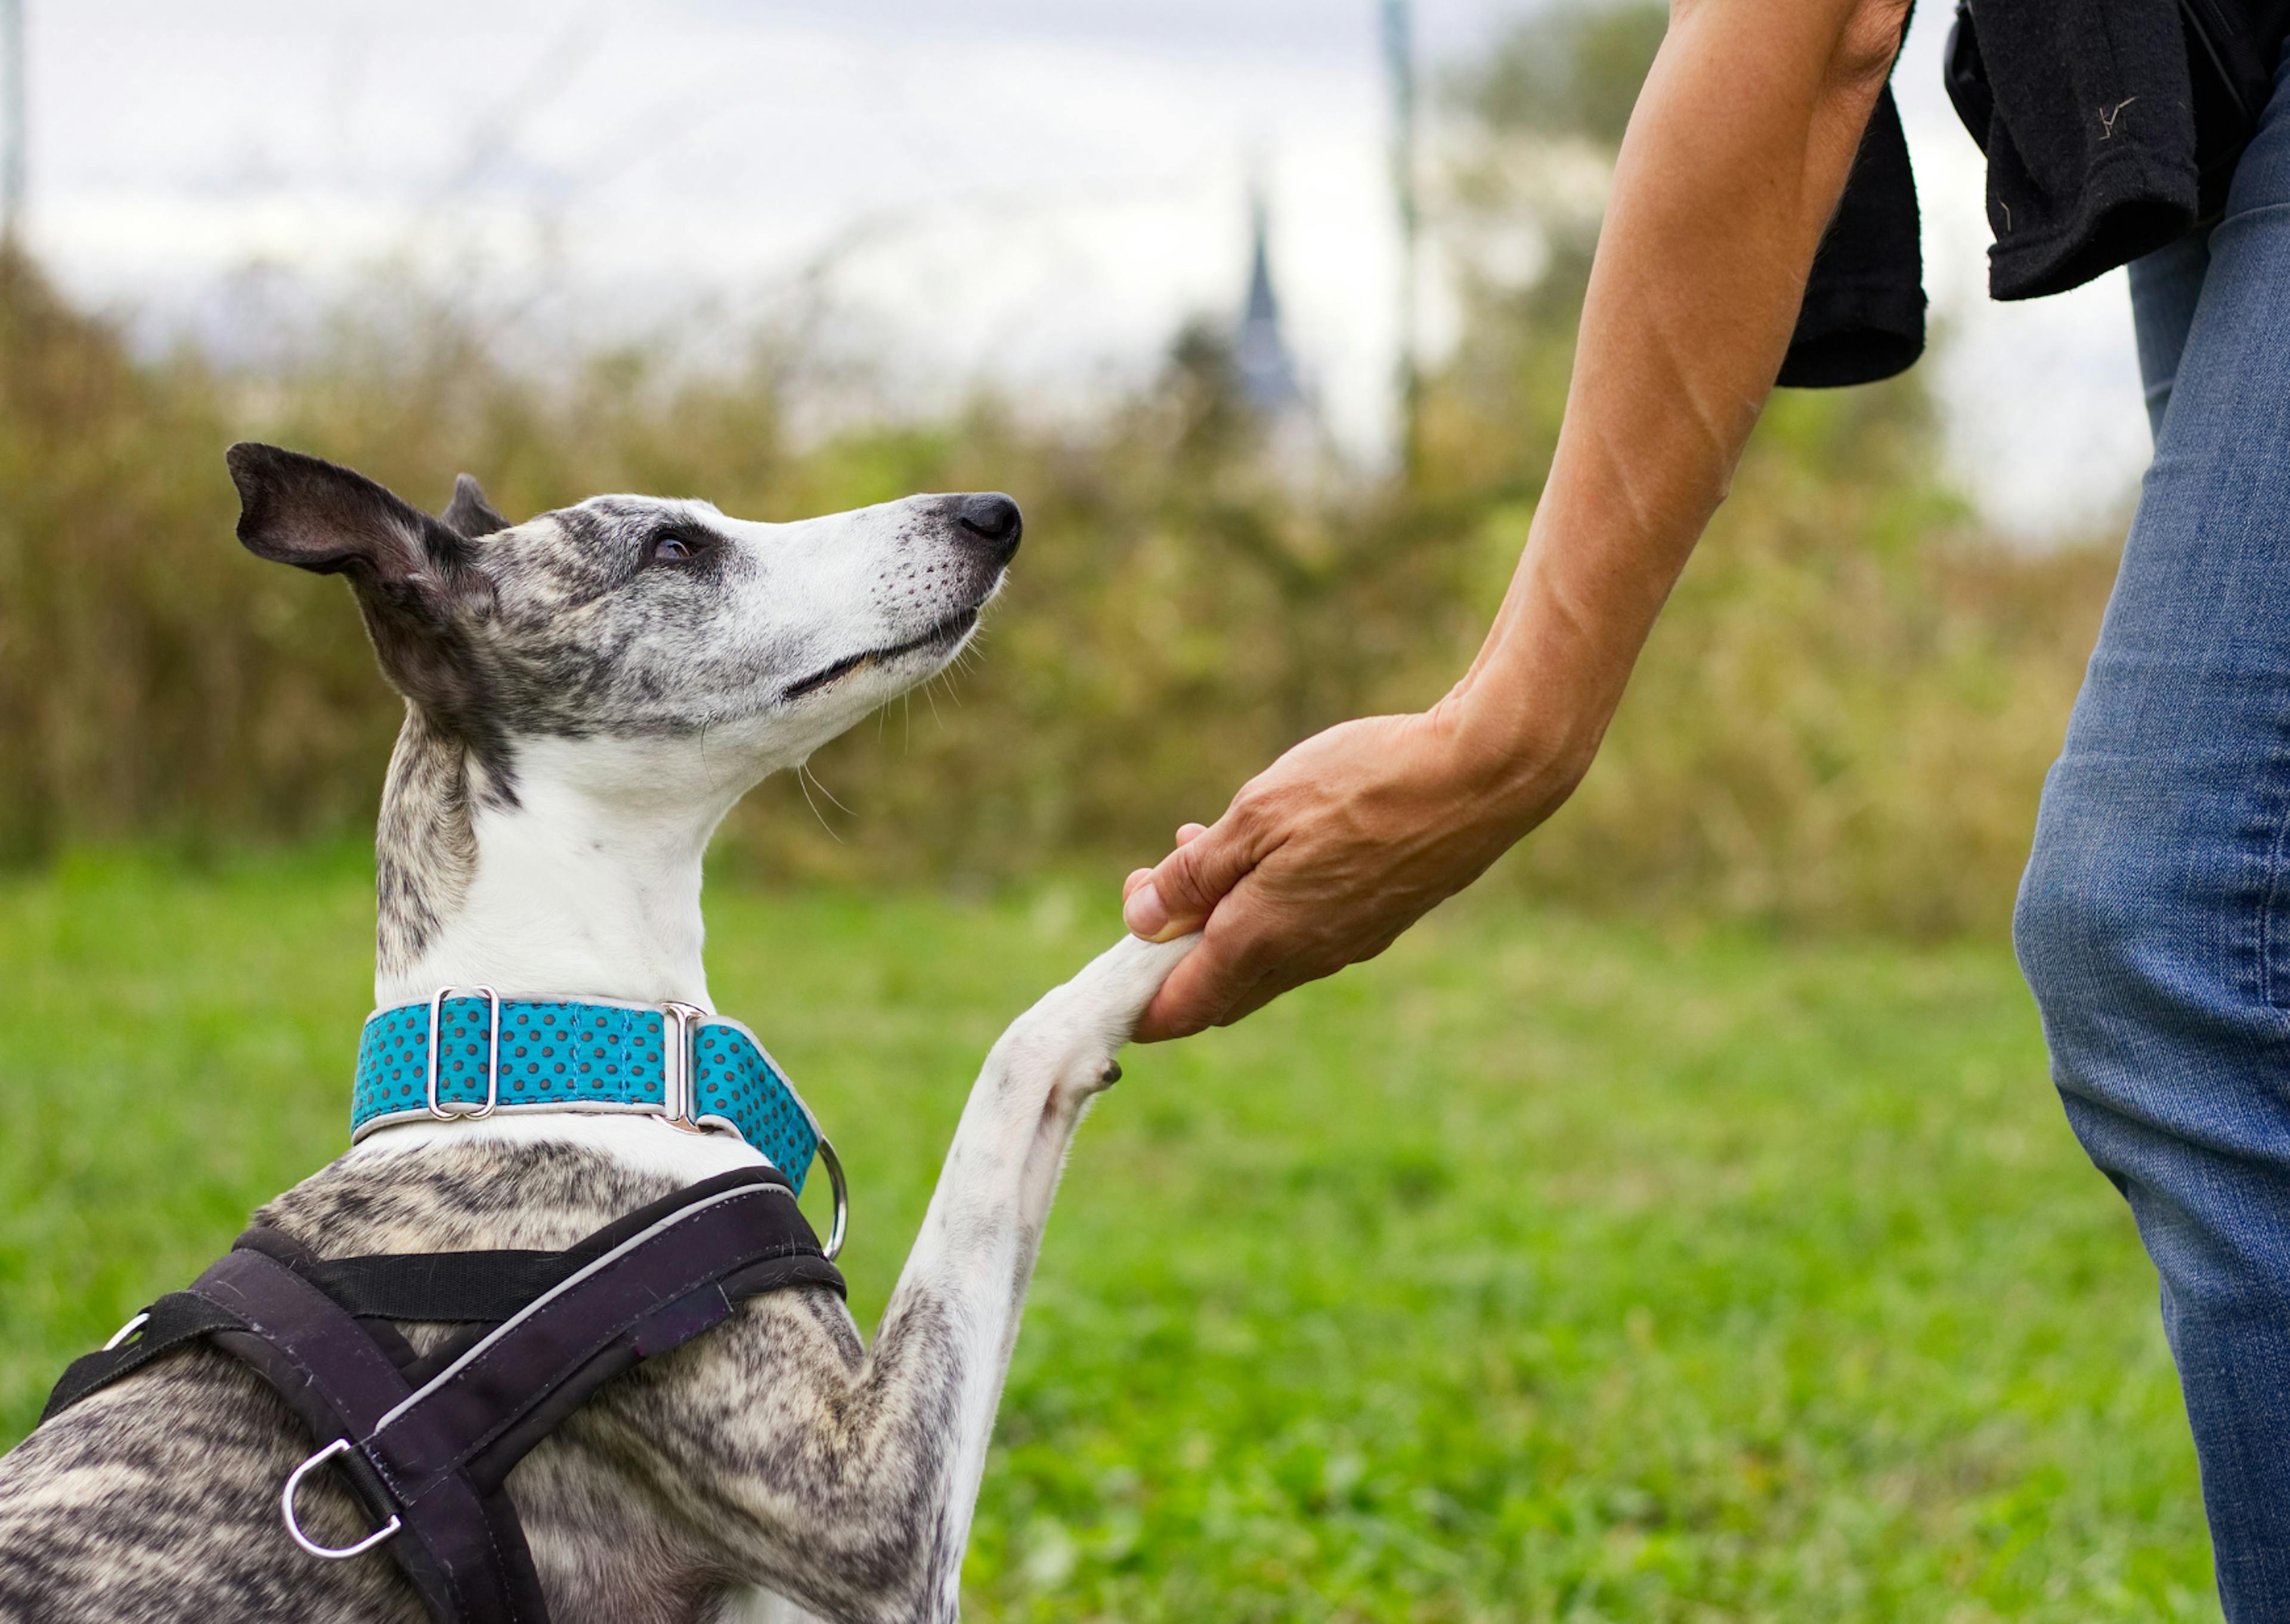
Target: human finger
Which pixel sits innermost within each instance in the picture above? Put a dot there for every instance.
(1240, 948)
(1188, 884)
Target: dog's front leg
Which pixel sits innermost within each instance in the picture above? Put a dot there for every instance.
(983, 1231)
(851, 1480)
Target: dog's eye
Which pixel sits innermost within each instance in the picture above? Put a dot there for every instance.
(674, 546)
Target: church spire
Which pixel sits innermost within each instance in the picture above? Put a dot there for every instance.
(1259, 350)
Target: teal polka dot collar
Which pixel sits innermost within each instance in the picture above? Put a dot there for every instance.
(469, 1052)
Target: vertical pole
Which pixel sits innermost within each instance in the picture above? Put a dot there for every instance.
(11, 123)
(1399, 67)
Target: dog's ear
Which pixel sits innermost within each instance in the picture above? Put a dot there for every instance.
(414, 578)
(315, 516)
(470, 514)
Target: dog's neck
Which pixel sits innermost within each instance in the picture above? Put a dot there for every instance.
(573, 869)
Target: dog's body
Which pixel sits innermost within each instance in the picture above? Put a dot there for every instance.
(588, 695)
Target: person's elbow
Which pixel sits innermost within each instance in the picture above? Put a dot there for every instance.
(1854, 41)
(1867, 38)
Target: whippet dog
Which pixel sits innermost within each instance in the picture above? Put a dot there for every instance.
(586, 695)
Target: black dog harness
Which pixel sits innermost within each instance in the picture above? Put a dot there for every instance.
(426, 1441)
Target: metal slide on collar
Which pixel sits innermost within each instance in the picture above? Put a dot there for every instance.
(492, 1058)
(678, 1096)
(680, 1103)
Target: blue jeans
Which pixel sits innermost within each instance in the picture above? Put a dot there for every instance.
(2154, 922)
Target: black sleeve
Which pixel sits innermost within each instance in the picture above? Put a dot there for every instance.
(1863, 315)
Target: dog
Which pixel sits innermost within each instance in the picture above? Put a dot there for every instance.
(586, 695)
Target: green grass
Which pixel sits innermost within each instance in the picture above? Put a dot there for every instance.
(1542, 1270)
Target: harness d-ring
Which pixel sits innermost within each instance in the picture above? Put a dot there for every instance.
(339, 1446)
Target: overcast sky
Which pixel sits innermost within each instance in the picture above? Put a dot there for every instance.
(1036, 191)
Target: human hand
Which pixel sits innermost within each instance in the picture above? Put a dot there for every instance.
(1323, 859)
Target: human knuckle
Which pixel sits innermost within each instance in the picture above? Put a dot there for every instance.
(1259, 799)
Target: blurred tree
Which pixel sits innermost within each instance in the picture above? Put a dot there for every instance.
(1535, 129)
(1842, 719)
(1570, 71)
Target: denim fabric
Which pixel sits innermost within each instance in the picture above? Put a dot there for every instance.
(2154, 921)
(2165, 285)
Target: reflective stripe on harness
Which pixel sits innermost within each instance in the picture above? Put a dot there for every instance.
(427, 1442)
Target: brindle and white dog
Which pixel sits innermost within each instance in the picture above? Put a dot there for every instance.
(587, 695)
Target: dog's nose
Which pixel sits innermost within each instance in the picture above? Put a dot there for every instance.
(994, 519)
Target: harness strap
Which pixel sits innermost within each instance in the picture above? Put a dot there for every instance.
(428, 1443)
(176, 1319)
(444, 1287)
(467, 1557)
(655, 1290)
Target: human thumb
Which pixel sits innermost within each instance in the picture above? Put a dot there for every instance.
(1187, 883)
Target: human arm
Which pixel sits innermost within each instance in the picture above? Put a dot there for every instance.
(1734, 161)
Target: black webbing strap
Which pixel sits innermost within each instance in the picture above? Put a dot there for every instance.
(656, 1290)
(466, 1556)
(430, 1441)
(440, 1287)
(174, 1320)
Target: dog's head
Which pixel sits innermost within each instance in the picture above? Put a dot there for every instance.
(638, 620)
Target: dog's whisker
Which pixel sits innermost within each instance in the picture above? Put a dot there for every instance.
(803, 782)
(833, 799)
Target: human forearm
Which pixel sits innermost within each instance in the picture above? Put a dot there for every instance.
(1733, 162)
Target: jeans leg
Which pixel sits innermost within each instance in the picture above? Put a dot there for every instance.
(2154, 921)
(2163, 287)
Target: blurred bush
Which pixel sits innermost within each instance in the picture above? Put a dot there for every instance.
(1842, 722)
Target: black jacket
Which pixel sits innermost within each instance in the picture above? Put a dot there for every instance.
(2111, 129)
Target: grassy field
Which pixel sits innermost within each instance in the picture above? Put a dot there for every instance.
(1544, 1270)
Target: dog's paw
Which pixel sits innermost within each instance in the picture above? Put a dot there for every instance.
(1112, 990)
(1074, 1032)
